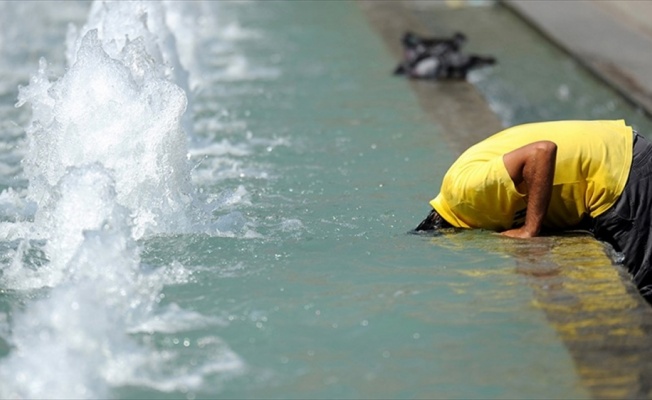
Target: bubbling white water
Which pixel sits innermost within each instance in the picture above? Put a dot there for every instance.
(83, 201)
(64, 342)
(117, 23)
(99, 111)
(107, 165)
(75, 343)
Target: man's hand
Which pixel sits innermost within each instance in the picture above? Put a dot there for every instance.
(533, 164)
(518, 233)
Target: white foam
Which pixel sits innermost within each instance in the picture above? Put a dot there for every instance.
(119, 22)
(99, 112)
(13, 205)
(174, 319)
(224, 147)
(106, 159)
(64, 342)
(83, 201)
(216, 360)
(76, 342)
(188, 21)
(238, 68)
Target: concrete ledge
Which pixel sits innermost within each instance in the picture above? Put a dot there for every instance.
(609, 38)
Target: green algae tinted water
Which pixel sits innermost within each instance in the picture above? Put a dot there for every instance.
(320, 162)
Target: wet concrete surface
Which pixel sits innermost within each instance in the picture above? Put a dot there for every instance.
(596, 311)
(613, 39)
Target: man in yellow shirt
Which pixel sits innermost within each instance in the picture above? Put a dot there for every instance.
(552, 176)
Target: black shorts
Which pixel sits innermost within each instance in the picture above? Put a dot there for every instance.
(627, 226)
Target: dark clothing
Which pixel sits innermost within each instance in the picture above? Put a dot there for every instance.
(627, 226)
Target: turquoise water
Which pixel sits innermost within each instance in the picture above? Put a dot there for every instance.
(293, 274)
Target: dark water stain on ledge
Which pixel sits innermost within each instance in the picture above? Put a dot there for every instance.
(596, 310)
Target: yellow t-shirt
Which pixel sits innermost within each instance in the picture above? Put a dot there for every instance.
(593, 162)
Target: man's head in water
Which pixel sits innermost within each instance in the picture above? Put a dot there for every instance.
(433, 221)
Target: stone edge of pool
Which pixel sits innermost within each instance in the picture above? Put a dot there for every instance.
(613, 40)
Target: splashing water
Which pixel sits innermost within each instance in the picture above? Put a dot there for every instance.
(100, 111)
(119, 23)
(107, 164)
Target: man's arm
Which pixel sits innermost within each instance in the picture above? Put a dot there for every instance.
(533, 164)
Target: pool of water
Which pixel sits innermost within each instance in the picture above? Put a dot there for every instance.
(276, 262)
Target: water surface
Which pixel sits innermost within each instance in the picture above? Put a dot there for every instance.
(276, 262)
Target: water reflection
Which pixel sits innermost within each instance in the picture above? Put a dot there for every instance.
(592, 304)
(596, 310)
